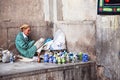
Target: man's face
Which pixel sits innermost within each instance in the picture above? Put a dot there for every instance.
(27, 31)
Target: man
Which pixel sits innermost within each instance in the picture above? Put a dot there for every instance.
(25, 45)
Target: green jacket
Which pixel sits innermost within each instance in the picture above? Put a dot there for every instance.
(25, 46)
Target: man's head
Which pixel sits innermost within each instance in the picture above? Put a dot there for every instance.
(25, 29)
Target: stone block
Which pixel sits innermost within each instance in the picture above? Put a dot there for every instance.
(26, 10)
(3, 38)
(44, 71)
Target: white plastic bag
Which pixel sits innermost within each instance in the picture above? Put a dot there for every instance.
(47, 45)
(6, 56)
(58, 41)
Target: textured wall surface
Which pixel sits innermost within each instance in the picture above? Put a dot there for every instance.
(38, 30)
(79, 10)
(105, 30)
(22, 10)
(80, 36)
(14, 13)
(84, 29)
(108, 46)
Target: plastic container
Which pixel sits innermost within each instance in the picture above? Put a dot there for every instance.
(67, 58)
(80, 56)
(85, 57)
(46, 58)
(11, 58)
(71, 56)
(63, 60)
(59, 60)
(54, 60)
(50, 59)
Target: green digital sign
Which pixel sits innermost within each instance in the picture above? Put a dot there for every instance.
(108, 7)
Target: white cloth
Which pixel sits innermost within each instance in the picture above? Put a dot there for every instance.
(24, 59)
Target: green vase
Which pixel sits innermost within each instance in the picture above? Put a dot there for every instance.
(80, 56)
(59, 60)
(63, 60)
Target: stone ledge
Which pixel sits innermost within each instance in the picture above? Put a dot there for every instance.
(22, 69)
(85, 22)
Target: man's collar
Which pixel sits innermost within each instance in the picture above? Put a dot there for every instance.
(24, 35)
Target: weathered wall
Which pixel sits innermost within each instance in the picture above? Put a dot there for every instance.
(104, 30)
(78, 23)
(8, 34)
(21, 10)
(80, 36)
(14, 13)
(85, 30)
(79, 10)
(108, 46)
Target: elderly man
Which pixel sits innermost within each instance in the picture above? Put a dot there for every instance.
(25, 45)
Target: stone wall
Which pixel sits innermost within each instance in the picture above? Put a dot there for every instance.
(77, 19)
(103, 33)
(9, 32)
(108, 46)
(84, 29)
(22, 10)
(79, 10)
(14, 13)
(48, 71)
(80, 36)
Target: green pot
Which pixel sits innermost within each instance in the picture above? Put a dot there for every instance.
(80, 56)
(59, 60)
(63, 60)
